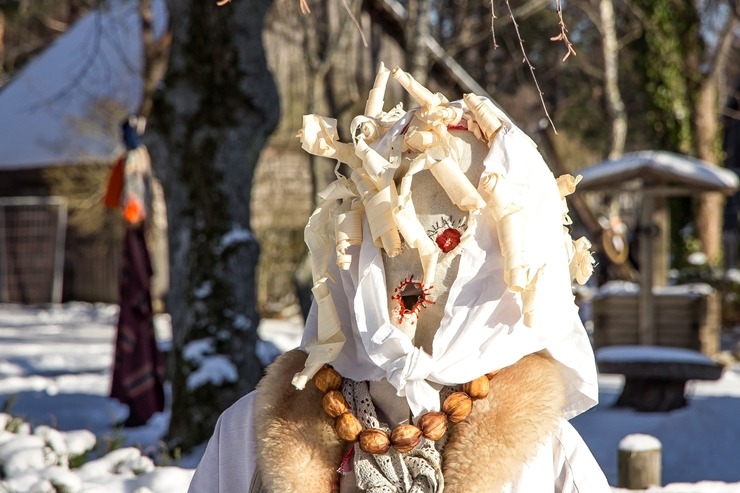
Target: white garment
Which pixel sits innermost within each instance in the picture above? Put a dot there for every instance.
(564, 464)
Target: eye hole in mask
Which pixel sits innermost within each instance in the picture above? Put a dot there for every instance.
(411, 296)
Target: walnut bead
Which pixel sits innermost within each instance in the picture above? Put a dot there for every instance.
(348, 427)
(405, 437)
(334, 403)
(457, 406)
(374, 441)
(478, 388)
(433, 425)
(327, 378)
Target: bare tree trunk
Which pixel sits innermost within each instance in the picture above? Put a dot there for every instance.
(709, 212)
(707, 144)
(418, 29)
(615, 106)
(209, 126)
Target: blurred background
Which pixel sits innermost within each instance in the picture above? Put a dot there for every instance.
(224, 89)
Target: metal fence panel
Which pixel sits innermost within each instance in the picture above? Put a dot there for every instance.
(32, 235)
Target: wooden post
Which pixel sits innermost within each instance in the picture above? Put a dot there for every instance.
(639, 462)
(646, 320)
(661, 225)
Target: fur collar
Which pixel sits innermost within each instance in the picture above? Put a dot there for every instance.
(299, 451)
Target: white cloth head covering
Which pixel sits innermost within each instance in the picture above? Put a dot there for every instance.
(483, 328)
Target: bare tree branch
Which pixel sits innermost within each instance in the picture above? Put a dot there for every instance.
(563, 30)
(531, 67)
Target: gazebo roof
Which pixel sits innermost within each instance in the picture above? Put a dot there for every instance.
(657, 171)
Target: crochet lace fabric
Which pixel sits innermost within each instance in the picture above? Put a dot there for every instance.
(418, 471)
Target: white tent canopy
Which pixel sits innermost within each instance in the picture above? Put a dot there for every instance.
(66, 105)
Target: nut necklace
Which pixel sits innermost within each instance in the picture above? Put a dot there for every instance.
(405, 437)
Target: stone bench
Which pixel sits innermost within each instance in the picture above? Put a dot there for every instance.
(655, 377)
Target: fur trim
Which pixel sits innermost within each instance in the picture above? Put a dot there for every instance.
(298, 449)
(504, 431)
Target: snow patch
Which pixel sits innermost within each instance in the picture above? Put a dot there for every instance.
(204, 290)
(215, 370)
(196, 350)
(639, 442)
(657, 354)
(241, 322)
(235, 236)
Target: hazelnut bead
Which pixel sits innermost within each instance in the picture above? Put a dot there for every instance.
(334, 404)
(374, 441)
(327, 378)
(457, 406)
(405, 437)
(433, 425)
(478, 388)
(348, 427)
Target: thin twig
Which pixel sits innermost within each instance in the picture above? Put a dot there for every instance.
(493, 31)
(304, 7)
(563, 30)
(357, 24)
(529, 64)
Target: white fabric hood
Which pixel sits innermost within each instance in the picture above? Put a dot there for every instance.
(490, 320)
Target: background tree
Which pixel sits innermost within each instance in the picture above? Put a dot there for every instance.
(687, 47)
(207, 130)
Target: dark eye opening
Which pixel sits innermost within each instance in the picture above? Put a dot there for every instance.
(411, 296)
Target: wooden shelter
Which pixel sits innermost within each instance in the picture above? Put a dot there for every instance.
(653, 176)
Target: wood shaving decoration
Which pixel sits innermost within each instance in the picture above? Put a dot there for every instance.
(462, 193)
(365, 128)
(485, 117)
(416, 237)
(374, 106)
(319, 137)
(348, 231)
(419, 140)
(330, 337)
(375, 165)
(566, 186)
(503, 204)
(379, 210)
(530, 298)
(582, 262)
(421, 94)
(580, 259)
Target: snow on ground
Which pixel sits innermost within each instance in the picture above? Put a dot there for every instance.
(55, 368)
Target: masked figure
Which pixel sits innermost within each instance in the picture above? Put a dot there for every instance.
(443, 351)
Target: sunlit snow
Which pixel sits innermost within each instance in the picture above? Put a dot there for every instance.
(55, 371)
